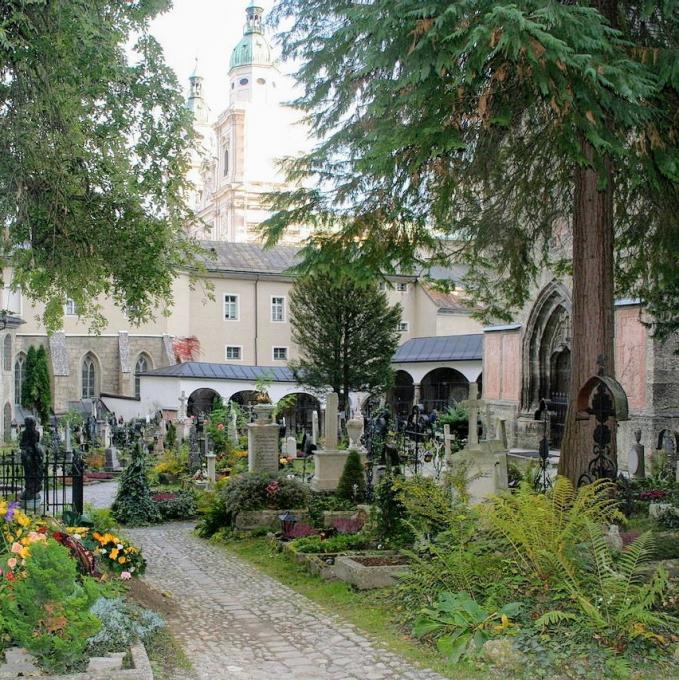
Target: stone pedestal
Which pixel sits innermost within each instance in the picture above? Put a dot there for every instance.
(329, 465)
(486, 465)
(263, 440)
(211, 468)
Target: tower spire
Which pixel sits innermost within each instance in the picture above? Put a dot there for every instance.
(196, 102)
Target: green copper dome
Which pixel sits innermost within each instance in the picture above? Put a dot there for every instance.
(253, 48)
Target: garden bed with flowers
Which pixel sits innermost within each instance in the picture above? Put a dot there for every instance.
(62, 593)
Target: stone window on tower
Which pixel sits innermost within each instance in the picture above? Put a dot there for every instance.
(141, 366)
(243, 81)
(19, 377)
(226, 162)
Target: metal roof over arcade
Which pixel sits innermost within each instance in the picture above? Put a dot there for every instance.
(442, 348)
(208, 371)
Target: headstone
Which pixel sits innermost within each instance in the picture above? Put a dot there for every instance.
(194, 449)
(473, 404)
(291, 447)
(112, 462)
(314, 427)
(331, 404)
(233, 428)
(636, 464)
(355, 431)
(211, 468)
(447, 439)
(263, 440)
(181, 413)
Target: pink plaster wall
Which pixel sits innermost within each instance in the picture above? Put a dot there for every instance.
(492, 365)
(630, 355)
(511, 366)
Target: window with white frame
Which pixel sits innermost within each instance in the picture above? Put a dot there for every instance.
(280, 353)
(70, 308)
(403, 326)
(234, 352)
(89, 378)
(401, 287)
(383, 286)
(231, 307)
(278, 309)
(19, 377)
(140, 367)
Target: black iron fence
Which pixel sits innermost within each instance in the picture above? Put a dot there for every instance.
(53, 488)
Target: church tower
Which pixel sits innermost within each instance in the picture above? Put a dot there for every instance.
(250, 136)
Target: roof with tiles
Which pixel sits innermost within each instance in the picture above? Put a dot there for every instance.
(208, 371)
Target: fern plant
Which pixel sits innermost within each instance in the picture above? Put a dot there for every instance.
(542, 531)
(615, 598)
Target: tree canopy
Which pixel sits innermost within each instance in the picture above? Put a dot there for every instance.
(347, 334)
(455, 129)
(36, 393)
(94, 148)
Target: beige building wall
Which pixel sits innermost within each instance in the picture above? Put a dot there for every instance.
(456, 324)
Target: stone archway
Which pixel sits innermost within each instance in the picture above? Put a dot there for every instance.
(297, 409)
(201, 401)
(443, 388)
(546, 348)
(401, 396)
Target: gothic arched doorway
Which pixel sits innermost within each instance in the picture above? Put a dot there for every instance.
(443, 388)
(7, 422)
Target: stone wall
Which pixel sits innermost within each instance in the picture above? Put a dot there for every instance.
(114, 368)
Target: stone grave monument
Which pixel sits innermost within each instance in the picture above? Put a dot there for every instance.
(233, 429)
(314, 427)
(329, 461)
(486, 461)
(291, 447)
(636, 458)
(263, 441)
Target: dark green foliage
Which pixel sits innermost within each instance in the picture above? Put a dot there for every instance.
(171, 435)
(351, 485)
(250, 491)
(346, 331)
(133, 504)
(94, 149)
(48, 611)
(319, 502)
(467, 120)
(36, 393)
(390, 515)
(334, 544)
(180, 505)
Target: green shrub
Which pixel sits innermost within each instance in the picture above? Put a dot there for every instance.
(122, 624)
(334, 544)
(351, 485)
(179, 505)
(250, 491)
(389, 515)
(47, 611)
(320, 502)
(133, 504)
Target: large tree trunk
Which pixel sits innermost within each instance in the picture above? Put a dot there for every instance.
(593, 303)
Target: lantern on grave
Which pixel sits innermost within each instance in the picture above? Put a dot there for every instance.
(288, 521)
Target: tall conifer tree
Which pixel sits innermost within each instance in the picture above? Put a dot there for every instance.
(512, 136)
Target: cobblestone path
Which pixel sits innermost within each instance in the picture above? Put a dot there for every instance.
(236, 623)
(102, 494)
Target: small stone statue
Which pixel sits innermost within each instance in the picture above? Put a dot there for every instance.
(32, 456)
(635, 458)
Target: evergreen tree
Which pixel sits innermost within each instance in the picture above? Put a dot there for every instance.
(94, 149)
(133, 504)
(36, 393)
(347, 334)
(351, 484)
(511, 136)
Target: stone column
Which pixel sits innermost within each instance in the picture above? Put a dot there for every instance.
(417, 394)
(211, 468)
(314, 427)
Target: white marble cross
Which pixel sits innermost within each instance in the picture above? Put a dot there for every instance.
(447, 438)
(331, 404)
(473, 404)
(181, 416)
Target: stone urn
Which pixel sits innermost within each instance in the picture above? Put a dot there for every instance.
(263, 412)
(355, 431)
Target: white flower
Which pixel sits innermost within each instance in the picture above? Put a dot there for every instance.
(119, 546)
(103, 551)
(131, 569)
(77, 537)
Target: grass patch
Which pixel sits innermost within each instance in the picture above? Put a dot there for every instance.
(368, 610)
(167, 657)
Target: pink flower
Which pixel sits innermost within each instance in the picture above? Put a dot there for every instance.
(12, 562)
(220, 426)
(17, 548)
(125, 575)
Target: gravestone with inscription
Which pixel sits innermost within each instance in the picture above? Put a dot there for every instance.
(263, 442)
